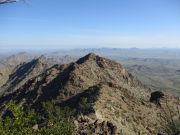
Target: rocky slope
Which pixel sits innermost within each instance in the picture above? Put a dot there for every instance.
(5, 71)
(97, 87)
(23, 72)
(8, 64)
(18, 58)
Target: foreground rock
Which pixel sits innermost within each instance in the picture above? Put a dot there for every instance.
(86, 126)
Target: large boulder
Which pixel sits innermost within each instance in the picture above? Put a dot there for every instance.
(155, 97)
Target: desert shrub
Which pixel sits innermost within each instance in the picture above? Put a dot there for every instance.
(171, 119)
(84, 105)
(20, 123)
(60, 120)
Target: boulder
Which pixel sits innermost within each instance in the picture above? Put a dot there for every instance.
(155, 97)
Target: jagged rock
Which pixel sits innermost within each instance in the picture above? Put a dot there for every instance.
(95, 127)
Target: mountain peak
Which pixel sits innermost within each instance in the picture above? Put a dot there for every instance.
(90, 56)
(42, 59)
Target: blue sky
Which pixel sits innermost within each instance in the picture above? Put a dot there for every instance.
(90, 24)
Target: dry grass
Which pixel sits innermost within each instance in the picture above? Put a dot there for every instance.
(170, 116)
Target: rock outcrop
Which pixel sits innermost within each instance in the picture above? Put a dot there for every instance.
(86, 126)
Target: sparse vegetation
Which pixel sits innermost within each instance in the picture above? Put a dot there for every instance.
(171, 119)
(84, 105)
(60, 121)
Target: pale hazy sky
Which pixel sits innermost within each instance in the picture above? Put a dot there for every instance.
(90, 24)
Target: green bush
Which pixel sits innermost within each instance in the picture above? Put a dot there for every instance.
(60, 121)
(20, 124)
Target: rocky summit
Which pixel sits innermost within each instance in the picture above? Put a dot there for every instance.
(107, 98)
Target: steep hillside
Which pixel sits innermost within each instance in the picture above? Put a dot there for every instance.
(8, 64)
(5, 71)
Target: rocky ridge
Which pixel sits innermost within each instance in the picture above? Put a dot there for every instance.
(113, 95)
